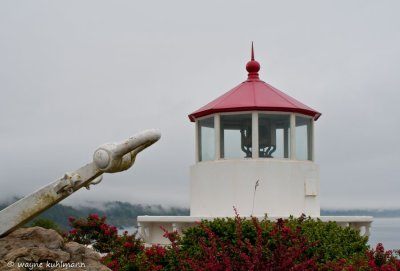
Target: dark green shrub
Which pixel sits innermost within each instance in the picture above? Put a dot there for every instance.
(45, 223)
(330, 241)
(225, 229)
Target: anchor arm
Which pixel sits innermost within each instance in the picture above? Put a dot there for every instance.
(115, 157)
(108, 158)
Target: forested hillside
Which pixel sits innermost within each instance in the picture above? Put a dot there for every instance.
(123, 214)
(119, 214)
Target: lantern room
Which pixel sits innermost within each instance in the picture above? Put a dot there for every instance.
(236, 135)
(254, 151)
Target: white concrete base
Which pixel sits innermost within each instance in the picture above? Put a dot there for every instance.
(149, 227)
(286, 187)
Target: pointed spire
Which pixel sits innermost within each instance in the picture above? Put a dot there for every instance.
(253, 66)
(252, 51)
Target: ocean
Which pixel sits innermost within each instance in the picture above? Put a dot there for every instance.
(385, 231)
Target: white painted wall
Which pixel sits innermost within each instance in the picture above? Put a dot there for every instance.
(150, 227)
(287, 187)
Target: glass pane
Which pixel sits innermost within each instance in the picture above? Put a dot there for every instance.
(236, 136)
(273, 136)
(303, 138)
(206, 139)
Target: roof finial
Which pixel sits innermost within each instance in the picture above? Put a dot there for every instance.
(252, 51)
(253, 66)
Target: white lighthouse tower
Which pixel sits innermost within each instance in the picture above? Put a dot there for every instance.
(254, 151)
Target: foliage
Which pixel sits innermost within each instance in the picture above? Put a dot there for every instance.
(330, 242)
(375, 260)
(94, 231)
(238, 244)
(45, 223)
(120, 250)
(279, 248)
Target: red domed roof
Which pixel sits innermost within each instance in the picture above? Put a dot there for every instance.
(254, 94)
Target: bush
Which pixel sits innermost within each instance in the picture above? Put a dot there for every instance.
(120, 250)
(251, 245)
(45, 223)
(330, 242)
(374, 260)
(239, 244)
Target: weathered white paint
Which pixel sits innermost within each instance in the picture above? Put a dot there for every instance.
(286, 187)
(108, 158)
(150, 227)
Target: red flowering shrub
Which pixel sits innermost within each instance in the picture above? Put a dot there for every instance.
(329, 242)
(379, 259)
(121, 250)
(281, 248)
(374, 260)
(93, 231)
(238, 244)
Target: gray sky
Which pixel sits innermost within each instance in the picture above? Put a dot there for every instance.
(76, 74)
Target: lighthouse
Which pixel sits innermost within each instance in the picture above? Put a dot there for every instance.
(254, 152)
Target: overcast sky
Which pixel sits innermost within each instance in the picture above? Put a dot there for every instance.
(76, 74)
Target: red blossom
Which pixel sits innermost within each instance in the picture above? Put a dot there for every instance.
(94, 217)
(114, 229)
(128, 244)
(103, 227)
